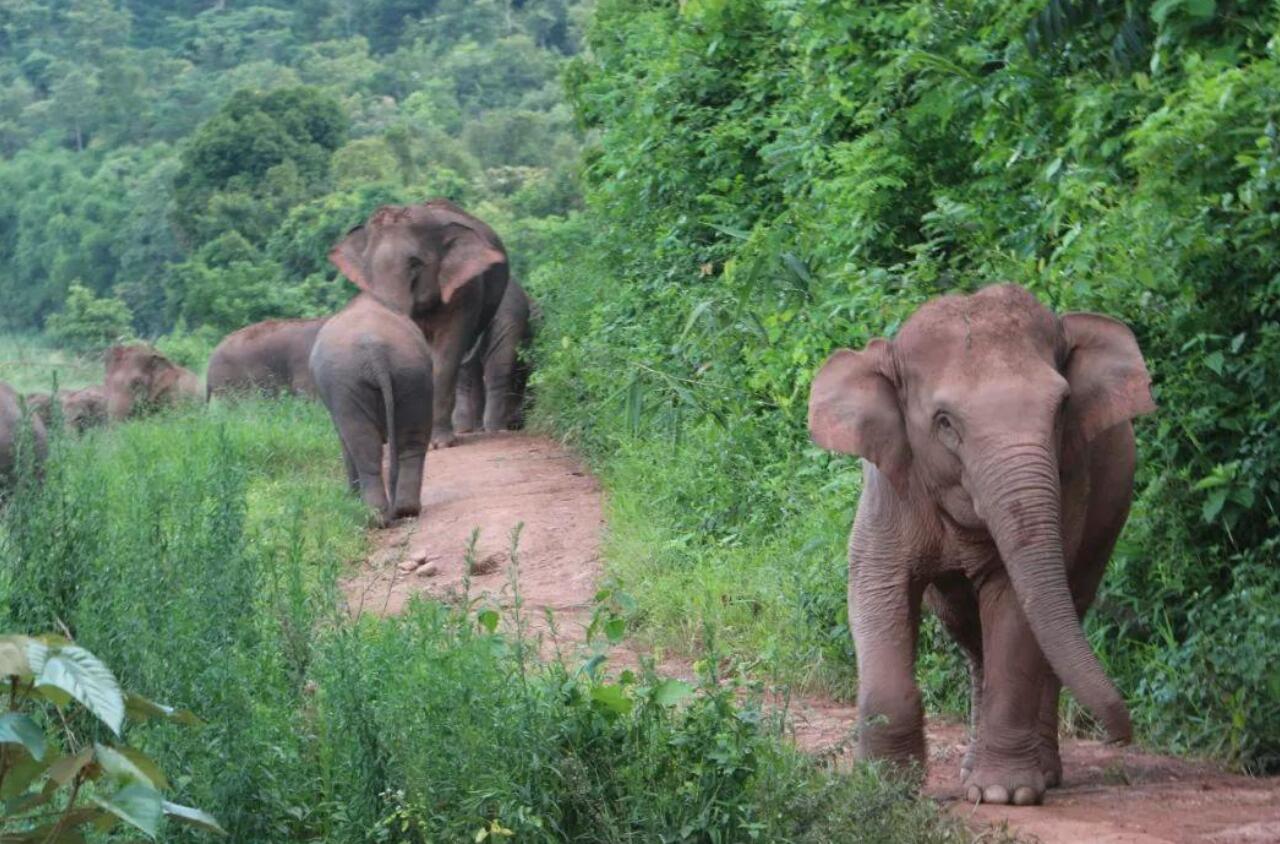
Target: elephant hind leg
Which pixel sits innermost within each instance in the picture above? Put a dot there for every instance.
(954, 601)
(362, 444)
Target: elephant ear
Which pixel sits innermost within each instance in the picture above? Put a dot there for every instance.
(1108, 378)
(853, 408)
(467, 256)
(348, 256)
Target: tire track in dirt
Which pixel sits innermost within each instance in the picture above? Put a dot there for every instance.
(496, 482)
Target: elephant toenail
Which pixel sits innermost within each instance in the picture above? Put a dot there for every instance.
(995, 794)
(975, 794)
(1025, 796)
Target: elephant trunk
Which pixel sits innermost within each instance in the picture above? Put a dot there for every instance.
(1019, 494)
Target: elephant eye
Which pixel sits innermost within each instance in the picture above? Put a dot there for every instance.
(944, 421)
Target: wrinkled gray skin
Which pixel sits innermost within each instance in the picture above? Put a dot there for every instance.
(81, 409)
(445, 270)
(492, 378)
(140, 380)
(372, 370)
(10, 430)
(999, 460)
(269, 358)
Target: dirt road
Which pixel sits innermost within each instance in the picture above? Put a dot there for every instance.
(494, 483)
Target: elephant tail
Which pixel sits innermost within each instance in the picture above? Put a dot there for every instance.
(393, 445)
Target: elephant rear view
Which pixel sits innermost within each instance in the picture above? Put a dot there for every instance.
(372, 369)
(270, 357)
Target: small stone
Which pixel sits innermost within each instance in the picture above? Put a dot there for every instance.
(427, 570)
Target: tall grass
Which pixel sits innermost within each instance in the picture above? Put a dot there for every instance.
(198, 553)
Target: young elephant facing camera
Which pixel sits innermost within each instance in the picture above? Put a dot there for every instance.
(999, 472)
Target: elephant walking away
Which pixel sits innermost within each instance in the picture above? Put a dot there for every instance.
(441, 267)
(998, 472)
(11, 420)
(269, 358)
(140, 379)
(493, 375)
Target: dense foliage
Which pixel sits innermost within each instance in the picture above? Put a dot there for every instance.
(199, 552)
(194, 161)
(772, 180)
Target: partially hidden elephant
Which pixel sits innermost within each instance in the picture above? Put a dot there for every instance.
(267, 358)
(998, 472)
(140, 379)
(81, 409)
(374, 372)
(11, 420)
(494, 374)
(443, 268)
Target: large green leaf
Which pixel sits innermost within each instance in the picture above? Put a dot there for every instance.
(73, 671)
(193, 817)
(16, 728)
(128, 765)
(136, 804)
(21, 774)
(612, 698)
(140, 708)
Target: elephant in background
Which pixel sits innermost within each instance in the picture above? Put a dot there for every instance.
(81, 409)
(998, 472)
(441, 267)
(11, 421)
(269, 357)
(140, 379)
(493, 376)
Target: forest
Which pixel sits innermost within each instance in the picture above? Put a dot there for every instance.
(705, 198)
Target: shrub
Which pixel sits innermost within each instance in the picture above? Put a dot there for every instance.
(88, 323)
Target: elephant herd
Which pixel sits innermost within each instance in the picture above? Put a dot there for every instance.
(429, 348)
(996, 435)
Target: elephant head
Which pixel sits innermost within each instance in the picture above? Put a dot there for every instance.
(139, 378)
(977, 408)
(415, 259)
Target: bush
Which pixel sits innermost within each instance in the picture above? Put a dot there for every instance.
(88, 323)
(771, 181)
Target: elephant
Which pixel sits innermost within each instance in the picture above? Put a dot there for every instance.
(445, 270)
(373, 370)
(492, 378)
(11, 421)
(140, 379)
(81, 409)
(998, 462)
(269, 357)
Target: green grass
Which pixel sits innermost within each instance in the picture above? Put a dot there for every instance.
(29, 363)
(197, 552)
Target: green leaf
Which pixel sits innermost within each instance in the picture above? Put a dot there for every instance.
(73, 671)
(21, 774)
(14, 659)
(140, 708)
(16, 728)
(193, 817)
(671, 692)
(1213, 504)
(136, 804)
(615, 629)
(128, 765)
(612, 698)
(488, 619)
(62, 771)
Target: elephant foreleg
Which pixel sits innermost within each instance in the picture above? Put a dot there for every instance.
(501, 400)
(1015, 672)
(955, 602)
(470, 406)
(446, 357)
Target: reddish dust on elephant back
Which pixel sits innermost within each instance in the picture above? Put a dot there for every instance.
(1110, 795)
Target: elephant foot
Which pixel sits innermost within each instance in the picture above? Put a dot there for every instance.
(408, 511)
(969, 761)
(445, 440)
(1013, 783)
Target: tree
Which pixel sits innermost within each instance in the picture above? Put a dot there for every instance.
(87, 323)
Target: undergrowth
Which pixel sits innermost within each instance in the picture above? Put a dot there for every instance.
(199, 552)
